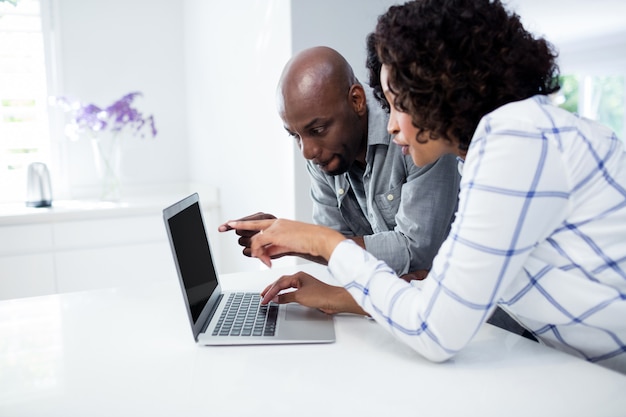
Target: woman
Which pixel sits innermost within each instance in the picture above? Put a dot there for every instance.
(541, 226)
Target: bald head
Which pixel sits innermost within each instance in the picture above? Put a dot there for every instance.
(323, 107)
(312, 72)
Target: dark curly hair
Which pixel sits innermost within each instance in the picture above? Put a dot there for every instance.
(374, 65)
(453, 61)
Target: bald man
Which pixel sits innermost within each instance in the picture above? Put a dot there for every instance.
(361, 183)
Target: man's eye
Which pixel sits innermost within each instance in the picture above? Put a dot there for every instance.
(295, 136)
(318, 130)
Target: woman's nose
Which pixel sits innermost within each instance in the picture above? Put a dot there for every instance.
(392, 125)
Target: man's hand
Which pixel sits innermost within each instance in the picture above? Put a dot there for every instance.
(419, 275)
(311, 292)
(245, 235)
(247, 232)
(287, 237)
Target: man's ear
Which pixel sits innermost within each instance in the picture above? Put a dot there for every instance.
(357, 99)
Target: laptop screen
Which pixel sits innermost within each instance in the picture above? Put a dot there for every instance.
(194, 257)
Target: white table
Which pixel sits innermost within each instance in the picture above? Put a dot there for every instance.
(129, 352)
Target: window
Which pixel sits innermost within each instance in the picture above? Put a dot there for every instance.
(600, 98)
(24, 127)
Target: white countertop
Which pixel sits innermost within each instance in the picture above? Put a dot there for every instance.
(64, 210)
(129, 351)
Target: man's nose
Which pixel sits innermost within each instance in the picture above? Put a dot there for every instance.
(309, 148)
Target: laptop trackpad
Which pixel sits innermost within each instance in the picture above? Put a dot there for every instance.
(298, 312)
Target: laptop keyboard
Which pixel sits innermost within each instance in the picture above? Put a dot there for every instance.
(243, 315)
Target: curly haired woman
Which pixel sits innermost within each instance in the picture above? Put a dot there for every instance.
(541, 225)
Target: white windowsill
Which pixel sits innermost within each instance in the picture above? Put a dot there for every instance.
(84, 209)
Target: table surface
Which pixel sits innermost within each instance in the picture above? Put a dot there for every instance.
(129, 351)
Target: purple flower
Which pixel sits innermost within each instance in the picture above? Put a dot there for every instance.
(117, 117)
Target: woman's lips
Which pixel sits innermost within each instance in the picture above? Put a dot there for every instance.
(405, 148)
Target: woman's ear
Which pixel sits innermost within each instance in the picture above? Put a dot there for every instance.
(358, 100)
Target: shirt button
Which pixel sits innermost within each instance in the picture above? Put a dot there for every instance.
(389, 197)
(340, 191)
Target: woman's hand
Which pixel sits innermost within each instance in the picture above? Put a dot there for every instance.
(281, 237)
(311, 292)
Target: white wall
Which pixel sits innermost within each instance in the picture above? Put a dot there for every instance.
(108, 49)
(590, 36)
(340, 24)
(234, 56)
(599, 55)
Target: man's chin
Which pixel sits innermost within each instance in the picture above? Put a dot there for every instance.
(335, 172)
(336, 166)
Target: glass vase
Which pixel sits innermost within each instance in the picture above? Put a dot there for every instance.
(107, 149)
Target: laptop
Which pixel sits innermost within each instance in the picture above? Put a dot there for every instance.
(210, 309)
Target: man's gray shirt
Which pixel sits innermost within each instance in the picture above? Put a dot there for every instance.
(404, 212)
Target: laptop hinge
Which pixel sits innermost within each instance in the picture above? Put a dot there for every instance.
(212, 313)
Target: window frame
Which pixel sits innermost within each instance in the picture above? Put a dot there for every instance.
(13, 185)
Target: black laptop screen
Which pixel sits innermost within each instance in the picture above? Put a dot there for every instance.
(194, 257)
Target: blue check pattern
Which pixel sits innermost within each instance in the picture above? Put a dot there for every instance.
(540, 231)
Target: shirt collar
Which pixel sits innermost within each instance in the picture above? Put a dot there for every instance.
(460, 164)
(377, 119)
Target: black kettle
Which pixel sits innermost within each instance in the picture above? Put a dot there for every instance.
(38, 191)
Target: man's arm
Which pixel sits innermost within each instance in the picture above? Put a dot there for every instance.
(428, 203)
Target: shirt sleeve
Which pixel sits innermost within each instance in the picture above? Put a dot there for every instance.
(427, 207)
(514, 193)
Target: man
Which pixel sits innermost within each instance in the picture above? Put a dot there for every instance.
(361, 184)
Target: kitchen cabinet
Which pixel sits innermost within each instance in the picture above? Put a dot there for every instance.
(76, 246)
